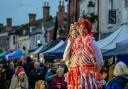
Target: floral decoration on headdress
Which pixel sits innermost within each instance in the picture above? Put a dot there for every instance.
(73, 30)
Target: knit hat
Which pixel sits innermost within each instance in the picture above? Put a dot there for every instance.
(85, 23)
(20, 70)
(61, 70)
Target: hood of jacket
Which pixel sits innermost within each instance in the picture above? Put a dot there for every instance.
(121, 80)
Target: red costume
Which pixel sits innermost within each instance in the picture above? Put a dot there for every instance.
(83, 72)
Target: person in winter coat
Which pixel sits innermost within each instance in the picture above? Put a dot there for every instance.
(2, 78)
(50, 74)
(10, 72)
(36, 74)
(58, 80)
(120, 81)
(19, 79)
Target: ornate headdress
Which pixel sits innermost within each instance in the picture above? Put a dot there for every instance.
(85, 23)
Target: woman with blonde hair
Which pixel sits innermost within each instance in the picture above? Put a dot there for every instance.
(120, 69)
(120, 81)
(40, 84)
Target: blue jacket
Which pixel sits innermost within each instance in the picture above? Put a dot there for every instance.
(118, 82)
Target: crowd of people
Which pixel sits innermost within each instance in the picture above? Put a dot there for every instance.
(82, 67)
(35, 75)
(27, 74)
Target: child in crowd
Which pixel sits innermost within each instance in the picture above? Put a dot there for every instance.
(40, 84)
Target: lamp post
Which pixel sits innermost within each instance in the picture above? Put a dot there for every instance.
(91, 12)
(91, 7)
(92, 17)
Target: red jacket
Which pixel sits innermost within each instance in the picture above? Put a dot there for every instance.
(56, 82)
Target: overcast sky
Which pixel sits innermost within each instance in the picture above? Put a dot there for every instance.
(18, 9)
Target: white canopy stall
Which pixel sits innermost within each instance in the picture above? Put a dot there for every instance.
(111, 41)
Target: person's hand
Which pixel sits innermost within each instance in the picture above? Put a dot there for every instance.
(103, 82)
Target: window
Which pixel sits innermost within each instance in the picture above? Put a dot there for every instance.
(14, 40)
(112, 16)
(126, 3)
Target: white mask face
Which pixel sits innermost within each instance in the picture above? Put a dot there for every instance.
(83, 30)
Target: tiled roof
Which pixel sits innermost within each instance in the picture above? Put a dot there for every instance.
(49, 24)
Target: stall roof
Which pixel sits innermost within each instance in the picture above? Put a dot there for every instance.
(110, 42)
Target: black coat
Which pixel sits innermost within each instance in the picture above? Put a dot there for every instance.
(35, 76)
(3, 80)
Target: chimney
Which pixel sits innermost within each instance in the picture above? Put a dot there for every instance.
(9, 22)
(61, 6)
(46, 13)
(32, 18)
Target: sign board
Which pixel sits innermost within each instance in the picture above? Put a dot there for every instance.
(112, 17)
